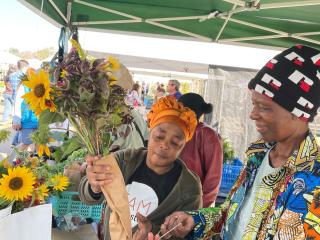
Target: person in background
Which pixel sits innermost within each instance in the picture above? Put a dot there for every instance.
(173, 88)
(157, 181)
(277, 194)
(133, 97)
(136, 134)
(15, 78)
(25, 122)
(8, 95)
(159, 94)
(203, 154)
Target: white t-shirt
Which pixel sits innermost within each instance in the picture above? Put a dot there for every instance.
(142, 199)
(237, 230)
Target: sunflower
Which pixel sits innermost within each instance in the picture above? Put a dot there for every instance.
(34, 161)
(42, 192)
(59, 182)
(40, 89)
(115, 65)
(44, 148)
(50, 105)
(17, 185)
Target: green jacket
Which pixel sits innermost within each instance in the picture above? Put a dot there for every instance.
(185, 195)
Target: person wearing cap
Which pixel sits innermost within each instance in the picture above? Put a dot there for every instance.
(157, 181)
(277, 195)
(203, 154)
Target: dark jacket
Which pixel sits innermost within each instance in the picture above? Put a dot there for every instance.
(203, 155)
(185, 195)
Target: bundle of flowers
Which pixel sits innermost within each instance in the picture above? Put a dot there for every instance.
(85, 92)
(29, 182)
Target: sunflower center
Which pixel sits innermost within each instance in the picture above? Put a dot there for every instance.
(15, 183)
(39, 90)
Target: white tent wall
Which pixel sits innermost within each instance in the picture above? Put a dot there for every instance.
(227, 90)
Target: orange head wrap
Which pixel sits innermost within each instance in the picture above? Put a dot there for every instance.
(168, 110)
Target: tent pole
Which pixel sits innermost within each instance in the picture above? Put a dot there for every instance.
(303, 3)
(236, 2)
(179, 30)
(221, 105)
(107, 10)
(105, 22)
(307, 33)
(225, 23)
(58, 11)
(226, 40)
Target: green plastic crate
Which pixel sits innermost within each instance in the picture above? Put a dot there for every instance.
(70, 202)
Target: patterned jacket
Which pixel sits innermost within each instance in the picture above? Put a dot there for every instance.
(286, 205)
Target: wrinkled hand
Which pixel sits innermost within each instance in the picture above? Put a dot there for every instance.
(187, 224)
(16, 127)
(98, 174)
(144, 226)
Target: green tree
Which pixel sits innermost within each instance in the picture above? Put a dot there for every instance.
(14, 51)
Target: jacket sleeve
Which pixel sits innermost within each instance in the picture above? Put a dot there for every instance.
(213, 159)
(85, 195)
(208, 223)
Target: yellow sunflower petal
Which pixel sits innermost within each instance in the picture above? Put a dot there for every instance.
(29, 84)
(40, 150)
(60, 182)
(17, 185)
(47, 150)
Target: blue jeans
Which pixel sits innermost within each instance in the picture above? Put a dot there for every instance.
(8, 104)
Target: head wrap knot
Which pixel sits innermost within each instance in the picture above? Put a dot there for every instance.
(168, 110)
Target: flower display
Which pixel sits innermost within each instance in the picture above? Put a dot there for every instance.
(59, 182)
(29, 181)
(85, 92)
(17, 184)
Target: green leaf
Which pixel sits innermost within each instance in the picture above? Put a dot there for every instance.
(47, 117)
(69, 146)
(4, 135)
(57, 155)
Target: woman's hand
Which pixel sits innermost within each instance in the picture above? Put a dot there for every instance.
(98, 175)
(152, 237)
(144, 226)
(186, 225)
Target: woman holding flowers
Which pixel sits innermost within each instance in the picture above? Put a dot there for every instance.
(157, 181)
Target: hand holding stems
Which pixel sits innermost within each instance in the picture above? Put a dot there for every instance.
(98, 174)
(179, 224)
(144, 226)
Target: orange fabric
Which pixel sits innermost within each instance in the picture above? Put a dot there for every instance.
(167, 109)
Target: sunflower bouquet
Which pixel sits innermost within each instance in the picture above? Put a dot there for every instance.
(29, 182)
(84, 91)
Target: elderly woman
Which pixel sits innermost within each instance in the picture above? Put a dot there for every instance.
(157, 181)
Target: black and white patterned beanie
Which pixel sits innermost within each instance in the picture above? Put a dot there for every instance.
(292, 79)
